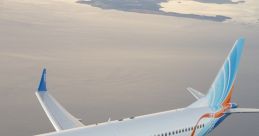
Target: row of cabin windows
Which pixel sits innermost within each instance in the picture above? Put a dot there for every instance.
(180, 131)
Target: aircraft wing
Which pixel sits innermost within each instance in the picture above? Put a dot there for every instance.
(60, 118)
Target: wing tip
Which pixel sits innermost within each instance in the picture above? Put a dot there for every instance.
(42, 85)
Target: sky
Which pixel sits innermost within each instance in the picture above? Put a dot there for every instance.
(114, 63)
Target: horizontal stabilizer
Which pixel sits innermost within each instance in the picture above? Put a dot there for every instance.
(60, 118)
(195, 93)
(242, 110)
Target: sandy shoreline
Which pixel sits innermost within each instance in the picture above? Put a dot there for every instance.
(246, 12)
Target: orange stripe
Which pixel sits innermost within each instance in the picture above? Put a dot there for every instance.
(209, 115)
(226, 105)
(204, 116)
(228, 98)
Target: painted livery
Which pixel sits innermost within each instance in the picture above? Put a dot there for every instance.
(197, 119)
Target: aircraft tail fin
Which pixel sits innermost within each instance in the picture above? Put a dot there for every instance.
(221, 90)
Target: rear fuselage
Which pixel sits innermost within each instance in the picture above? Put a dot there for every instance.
(180, 122)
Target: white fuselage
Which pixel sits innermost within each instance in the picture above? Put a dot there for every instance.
(197, 119)
(159, 124)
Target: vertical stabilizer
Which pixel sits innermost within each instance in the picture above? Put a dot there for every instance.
(221, 90)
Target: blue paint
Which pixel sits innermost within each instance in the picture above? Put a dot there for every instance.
(222, 85)
(42, 85)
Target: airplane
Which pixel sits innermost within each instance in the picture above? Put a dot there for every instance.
(197, 119)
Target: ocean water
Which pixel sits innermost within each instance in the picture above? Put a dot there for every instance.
(108, 63)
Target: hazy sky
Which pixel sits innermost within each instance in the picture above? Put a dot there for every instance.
(108, 63)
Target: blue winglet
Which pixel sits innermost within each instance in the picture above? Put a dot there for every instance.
(42, 85)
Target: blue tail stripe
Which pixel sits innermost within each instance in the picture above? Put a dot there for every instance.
(224, 81)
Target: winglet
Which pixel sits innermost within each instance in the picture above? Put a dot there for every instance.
(42, 85)
(60, 118)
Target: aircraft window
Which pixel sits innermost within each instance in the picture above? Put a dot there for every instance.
(189, 129)
(182, 130)
(169, 133)
(162, 135)
(192, 128)
(165, 134)
(176, 132)
(173, 132)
